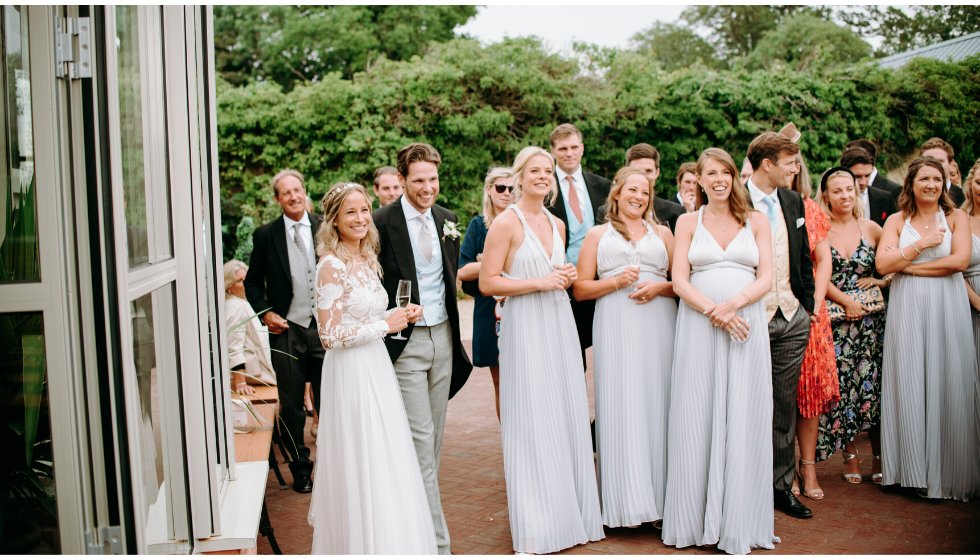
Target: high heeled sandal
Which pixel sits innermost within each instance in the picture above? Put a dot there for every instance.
(853, 478)
(876, 477)
(812, 493)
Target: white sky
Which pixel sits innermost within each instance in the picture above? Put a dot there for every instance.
(560, 26)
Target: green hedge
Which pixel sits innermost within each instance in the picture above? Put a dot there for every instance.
(480, 104)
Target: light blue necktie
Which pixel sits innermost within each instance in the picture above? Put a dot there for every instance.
(771, 210)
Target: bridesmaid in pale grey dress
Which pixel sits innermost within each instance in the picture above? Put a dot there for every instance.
(552, 498)
(634, 346)
(719, 443)
(929, 389)
(971, 205)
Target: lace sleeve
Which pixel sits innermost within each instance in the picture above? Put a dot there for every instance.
(332, 291)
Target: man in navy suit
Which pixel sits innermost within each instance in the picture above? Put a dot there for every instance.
(418, 244)
(876, 204)
(789, 303)
(280, 287)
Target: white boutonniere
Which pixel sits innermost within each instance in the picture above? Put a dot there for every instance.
(450, 230)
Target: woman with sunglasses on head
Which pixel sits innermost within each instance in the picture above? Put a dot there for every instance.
(497, 188)
(623, 265)
(858, 333)
(929, 386)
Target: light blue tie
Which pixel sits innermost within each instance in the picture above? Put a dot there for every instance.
(771, 210)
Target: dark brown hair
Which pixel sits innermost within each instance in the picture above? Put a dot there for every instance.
(906, 199)
(856, 156)
(414, 152)
(386, 170)
(643, 151)
(686, 167)
(770, 145)
(867, 145)
(738, 200)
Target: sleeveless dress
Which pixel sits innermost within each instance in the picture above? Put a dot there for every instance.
(719, 461)
(634, 348)
(819, 387)
(484, 321)
(929, 386)
(368, 496)
(859, 345)
(552, 497)
(972, 276)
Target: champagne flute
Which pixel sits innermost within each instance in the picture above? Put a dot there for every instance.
(563, 294)
(402, 296)
(634, 261)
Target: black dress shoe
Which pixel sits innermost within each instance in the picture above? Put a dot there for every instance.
(302, 484)
(786, 502)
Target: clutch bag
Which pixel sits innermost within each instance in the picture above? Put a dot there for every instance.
(872, 300)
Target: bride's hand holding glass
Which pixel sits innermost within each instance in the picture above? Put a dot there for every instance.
(397, 320)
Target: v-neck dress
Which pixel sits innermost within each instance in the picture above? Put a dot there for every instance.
(552, 495)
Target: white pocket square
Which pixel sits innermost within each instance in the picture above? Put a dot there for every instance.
(800, 222)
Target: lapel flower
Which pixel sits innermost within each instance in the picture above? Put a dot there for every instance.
(450, 230)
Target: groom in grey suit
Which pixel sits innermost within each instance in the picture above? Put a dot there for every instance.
(431, 365)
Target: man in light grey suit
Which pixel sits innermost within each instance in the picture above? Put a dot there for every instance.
(431, 366)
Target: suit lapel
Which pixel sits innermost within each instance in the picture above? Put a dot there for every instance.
(558, 208)
(595, 197)
(279, 242)
(440, 219)
(401, 243)
(790, 216)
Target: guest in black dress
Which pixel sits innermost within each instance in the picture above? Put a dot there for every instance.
(497, 190)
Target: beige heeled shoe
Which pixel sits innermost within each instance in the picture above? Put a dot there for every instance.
(853, 478)
(815, 493)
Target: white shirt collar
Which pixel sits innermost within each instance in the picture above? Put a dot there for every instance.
(411, 212)
(304, 221)
(757, 195)
(577, 175)
(874, 175)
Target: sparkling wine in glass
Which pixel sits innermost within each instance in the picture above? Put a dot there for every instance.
(402, 296)
(634, 261)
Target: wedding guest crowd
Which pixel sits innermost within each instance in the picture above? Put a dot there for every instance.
(747, 317)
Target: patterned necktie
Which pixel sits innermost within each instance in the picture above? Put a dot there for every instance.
(298, 240)
(425, 239)
(573, 199)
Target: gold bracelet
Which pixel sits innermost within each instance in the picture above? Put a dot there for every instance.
(916, 249)
(901, 251)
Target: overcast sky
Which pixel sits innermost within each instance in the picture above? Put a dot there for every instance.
(559, 26)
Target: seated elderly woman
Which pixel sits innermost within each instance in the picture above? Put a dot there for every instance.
(248, 338)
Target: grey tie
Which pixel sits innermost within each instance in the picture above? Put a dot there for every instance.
(298, 240)
(425, 239)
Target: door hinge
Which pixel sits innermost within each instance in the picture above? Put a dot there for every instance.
(73, 38)
(104, 540)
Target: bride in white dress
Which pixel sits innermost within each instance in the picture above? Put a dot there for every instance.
(552, 497)
(368, 495)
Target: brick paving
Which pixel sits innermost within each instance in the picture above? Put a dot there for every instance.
(853, 519)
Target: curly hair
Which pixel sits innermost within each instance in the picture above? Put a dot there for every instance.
(328, 240)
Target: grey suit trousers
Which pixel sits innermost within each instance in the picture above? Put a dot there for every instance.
(787, 342)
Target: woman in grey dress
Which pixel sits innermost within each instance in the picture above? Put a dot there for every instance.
(635, 309)
(552, 498)
(929, 389)
(719, 442)
(971, 190)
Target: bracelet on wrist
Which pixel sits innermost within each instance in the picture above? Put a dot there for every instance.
(901, 251)
(916, 249)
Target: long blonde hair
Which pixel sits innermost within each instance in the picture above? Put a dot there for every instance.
(738, 200)
(967, 187)
(489, 212)
(612, 201)
(328, 241)
(520, 162)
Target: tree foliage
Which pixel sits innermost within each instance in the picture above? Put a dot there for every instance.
(736, 30)
(804, 41)
(905, 28)
(289, 44)
(675, 46)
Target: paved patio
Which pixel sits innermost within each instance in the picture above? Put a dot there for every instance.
(853, 519)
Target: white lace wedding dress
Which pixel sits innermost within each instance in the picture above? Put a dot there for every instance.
(368, 495)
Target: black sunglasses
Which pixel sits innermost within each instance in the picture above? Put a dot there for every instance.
(502, 188)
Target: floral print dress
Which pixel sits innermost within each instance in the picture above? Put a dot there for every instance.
(858, 345)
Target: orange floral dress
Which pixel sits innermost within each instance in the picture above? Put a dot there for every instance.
(819, 386)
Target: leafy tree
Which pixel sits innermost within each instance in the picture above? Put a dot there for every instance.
(804, 41)
(911, 27)
(289, 44)
(736, 30)
(674, 46)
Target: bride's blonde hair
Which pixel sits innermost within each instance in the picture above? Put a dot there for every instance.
(327, 237)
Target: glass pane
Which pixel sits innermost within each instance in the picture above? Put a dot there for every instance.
(157, 376)
(144, 147)
(28, 504)
(19, 256)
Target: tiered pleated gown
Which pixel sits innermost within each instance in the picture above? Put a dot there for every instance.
(719, 443)
(929, 387)
(552, 497)
(634, 348)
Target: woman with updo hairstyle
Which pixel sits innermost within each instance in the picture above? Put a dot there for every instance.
(552, 498)
(929, 387)
(859, 333)
(498, 188)
(971, 205)
(719, 442)
(368, 494)
(624, 264)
